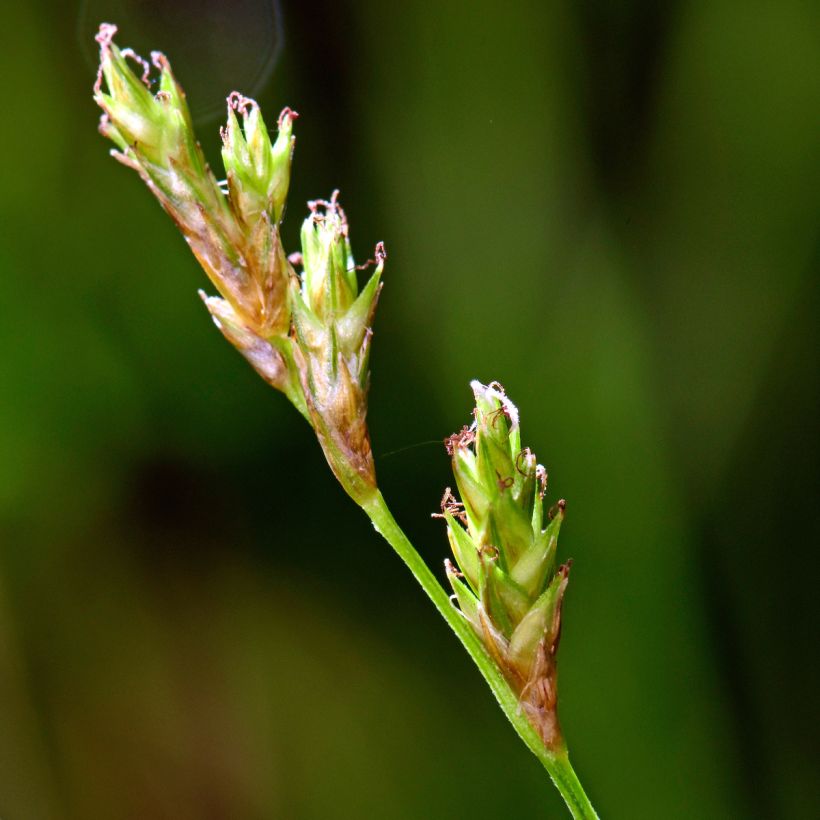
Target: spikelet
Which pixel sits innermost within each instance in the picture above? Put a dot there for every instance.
(506, 579)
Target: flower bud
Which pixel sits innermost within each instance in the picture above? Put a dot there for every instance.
(507, 584)
(258, 172)
(329, 281)
(152, 130)
(134, 114)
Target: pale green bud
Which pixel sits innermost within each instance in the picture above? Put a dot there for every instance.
(157, 127)
(329, 283)
(258, 172)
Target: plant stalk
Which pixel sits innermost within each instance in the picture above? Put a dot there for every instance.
(555, 762)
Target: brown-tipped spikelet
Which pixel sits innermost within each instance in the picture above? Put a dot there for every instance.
(234, 234)
(507, 582)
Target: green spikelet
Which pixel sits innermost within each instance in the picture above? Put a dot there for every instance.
(332, 320)
(507, 583)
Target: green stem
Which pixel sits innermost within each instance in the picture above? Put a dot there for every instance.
(555, 762)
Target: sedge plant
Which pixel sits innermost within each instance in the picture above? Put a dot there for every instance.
(304, 324)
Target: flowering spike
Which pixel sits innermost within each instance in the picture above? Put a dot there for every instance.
(332, 344)
(514, 595)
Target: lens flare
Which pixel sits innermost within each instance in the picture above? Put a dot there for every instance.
(217, 46)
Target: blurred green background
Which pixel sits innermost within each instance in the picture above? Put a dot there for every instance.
(612, 208)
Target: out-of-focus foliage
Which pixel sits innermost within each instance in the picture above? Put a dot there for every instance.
(612, 208)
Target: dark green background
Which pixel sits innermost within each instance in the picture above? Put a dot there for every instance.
(609, 207)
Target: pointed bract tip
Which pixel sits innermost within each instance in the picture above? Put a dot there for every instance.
(494, 391)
